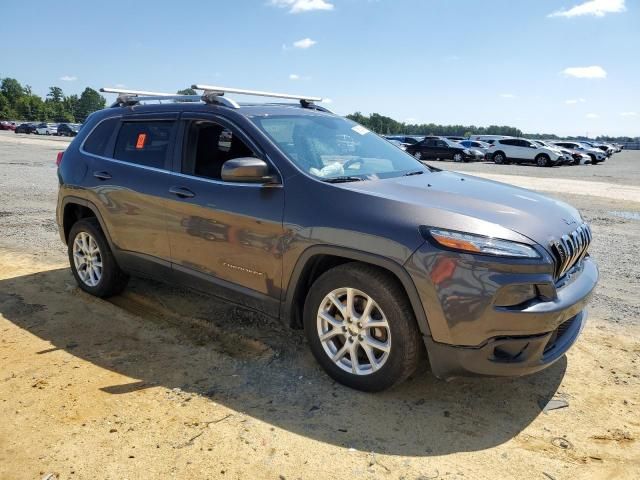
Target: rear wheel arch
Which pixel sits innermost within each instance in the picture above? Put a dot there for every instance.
(319, 259)
(75, 209)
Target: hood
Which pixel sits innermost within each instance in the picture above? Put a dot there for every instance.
(475, 205)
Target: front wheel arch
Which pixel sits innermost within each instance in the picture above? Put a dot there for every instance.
(316, 260)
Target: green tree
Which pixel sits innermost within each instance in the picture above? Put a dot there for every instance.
(12, 90)
(187, 91)
(89, 102)
(6, 111)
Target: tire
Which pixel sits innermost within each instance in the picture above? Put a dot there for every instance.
(542, 160)
(458, 157)
(396, 327)
(499, 158)
(417, 155)
(111, 280)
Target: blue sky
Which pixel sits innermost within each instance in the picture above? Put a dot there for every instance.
(563, 66)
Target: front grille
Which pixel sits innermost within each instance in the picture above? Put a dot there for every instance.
(570, 249)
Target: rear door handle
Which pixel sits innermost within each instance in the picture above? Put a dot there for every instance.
(102, 175)
(182, 192)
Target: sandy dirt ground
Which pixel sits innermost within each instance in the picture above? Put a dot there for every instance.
(160, 382)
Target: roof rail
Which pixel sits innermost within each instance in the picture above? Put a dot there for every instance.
(212, 91)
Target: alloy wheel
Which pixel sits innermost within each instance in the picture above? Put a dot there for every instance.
(354, 331)
(87, 259)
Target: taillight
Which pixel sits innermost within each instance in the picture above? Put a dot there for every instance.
(59, 158)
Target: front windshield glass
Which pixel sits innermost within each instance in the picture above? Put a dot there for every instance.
(451, 143)
(333, 147)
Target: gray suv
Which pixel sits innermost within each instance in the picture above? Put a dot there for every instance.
(311, 218)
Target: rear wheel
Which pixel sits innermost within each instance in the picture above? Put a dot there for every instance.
(92, 262)
(458, 157)
(499, 158)
(361, 328)
(418, 155)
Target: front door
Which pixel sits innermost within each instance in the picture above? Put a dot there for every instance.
(223, 233)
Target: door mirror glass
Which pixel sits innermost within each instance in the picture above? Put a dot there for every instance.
(247, 170)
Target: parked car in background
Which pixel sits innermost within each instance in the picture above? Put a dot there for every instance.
(521, 150)
(567, 157)
(440, 148)
(487, 138)
(455, 138)
(46, 129)
(605, 147)
(7, 125)
(26, 128)
(398, 143)
(68, 129)
(476, 145)
(408, 139)
(595, 154)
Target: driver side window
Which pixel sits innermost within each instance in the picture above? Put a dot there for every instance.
(208, 145)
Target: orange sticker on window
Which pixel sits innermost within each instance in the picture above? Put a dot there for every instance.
(142, 137)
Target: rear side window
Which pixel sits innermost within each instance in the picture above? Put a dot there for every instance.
(144, 143)
(98, 140)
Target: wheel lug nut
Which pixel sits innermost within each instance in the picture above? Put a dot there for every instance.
(351, 339)
(344, 329)
(360, 337)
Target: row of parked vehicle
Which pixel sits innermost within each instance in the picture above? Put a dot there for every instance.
(43, 128)
(503, 149)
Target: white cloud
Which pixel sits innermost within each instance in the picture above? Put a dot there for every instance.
(294, 76)
(629, 114)
(594, 71)
(299, 6)
(327, 101)
(304, 43)
(592, 115)
(573, 101)
(597, 8)
(507, 95)
(68, 78)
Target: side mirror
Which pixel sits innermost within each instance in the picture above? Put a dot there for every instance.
(247, 170)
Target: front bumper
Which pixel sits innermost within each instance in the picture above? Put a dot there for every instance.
(479, 326)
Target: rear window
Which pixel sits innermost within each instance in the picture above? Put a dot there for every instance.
(98, 140)
(144, 143)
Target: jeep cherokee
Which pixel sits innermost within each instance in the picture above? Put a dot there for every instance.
(311, 218)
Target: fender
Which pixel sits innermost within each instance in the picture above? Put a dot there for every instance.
(91, 206)
(356, 255)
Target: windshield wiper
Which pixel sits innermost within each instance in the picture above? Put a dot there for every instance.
(417, 172)
(342, 179)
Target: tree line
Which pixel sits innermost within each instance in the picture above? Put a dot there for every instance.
(18, 102)
(384, 125)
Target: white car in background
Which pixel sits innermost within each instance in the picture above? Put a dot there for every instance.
(46, 129)
(521, 150)
(595, 154)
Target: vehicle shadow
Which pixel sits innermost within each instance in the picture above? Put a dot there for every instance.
(163, 336)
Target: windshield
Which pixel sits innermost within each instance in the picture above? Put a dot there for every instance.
(334, 147)
(451, 143)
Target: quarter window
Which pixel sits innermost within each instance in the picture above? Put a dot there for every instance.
(98, 139)
(144, 143)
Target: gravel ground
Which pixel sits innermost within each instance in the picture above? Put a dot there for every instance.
(162, 382)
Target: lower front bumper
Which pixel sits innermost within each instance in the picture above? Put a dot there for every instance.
(505, 356)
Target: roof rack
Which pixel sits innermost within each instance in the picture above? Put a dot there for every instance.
(211, 91)
(211, 94)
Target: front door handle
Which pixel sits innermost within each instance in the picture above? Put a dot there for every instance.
(182, 192)
(102, 175)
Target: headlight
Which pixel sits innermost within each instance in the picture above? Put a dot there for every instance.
(469, 243)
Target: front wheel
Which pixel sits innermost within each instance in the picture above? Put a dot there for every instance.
(92, 262)
(417, 155)
(542, 160)
(458, 157)
(361, 328)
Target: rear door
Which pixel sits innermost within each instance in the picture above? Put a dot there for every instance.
(224, 236)
(129, 178)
